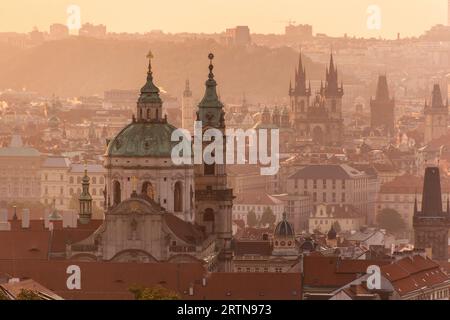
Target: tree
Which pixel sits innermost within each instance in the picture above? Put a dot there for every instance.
(268, 218)
(3, 296)
(252, 220)
(154, 293)
(26, 294)
(337, 227)
(390, 220)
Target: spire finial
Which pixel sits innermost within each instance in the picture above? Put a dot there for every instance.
(150, 57)
(211, 66)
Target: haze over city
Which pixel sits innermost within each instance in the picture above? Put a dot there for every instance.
(408, 17)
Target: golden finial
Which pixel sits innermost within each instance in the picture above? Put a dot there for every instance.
(150, 55)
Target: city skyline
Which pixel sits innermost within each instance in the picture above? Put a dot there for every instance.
(209, 16)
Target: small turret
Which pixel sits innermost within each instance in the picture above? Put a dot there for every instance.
(85, 200)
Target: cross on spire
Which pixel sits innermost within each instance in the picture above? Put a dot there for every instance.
(211, 66)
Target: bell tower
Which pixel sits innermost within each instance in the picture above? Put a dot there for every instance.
(299, 94)
(431, 224)
(213, 199)
(85, 200)
(436, 114)
(149, 106)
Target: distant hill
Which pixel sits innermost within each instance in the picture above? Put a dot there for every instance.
(85, 66)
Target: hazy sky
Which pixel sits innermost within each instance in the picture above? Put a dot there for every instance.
(334, 17)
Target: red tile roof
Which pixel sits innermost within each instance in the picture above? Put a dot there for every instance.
(250, 286)
(333, 272)
(414, 273)
(107, 280)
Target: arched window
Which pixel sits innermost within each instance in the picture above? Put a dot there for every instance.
(71, 180)
(94, 180)
(178, 197)
(117, 193)
(208, 216)
(147, 189)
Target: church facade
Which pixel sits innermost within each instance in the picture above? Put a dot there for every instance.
(318, 119)
(156, 210)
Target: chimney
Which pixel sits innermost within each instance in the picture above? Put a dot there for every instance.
(25, 218)
(191, 290)
(204, 282)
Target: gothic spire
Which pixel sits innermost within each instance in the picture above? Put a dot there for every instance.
(436, 98)
(431, 198)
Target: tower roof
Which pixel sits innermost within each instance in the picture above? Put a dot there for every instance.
(382, 88)
(300, 88)
(150, 92)
(187, 90)
(331, 85)
(432, 198)
(210, 108)
(284, 228)
(436, 98)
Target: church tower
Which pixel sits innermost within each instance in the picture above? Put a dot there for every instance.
(382, 107)
(431, 224)
(299, 94)
(213, 199)
(85, 200)
(436, 116)
(187, 109)
(332, 92)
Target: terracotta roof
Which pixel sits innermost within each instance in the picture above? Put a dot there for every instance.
(327, 171)
(184, 230)
(35, 242)
(250, 286)
(246, 247)
(414, 273)
(256, 198)
(255, 233)
(105, 280)
(111, 281)
(13, 289)
(333, 272)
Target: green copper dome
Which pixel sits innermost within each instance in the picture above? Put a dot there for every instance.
(143, 139)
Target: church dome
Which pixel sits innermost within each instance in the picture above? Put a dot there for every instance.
(143, 139)
(284, 228)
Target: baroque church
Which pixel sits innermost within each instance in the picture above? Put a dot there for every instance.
(318, 119)
(156, 210)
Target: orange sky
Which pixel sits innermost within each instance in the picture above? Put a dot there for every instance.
(334, 17)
